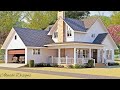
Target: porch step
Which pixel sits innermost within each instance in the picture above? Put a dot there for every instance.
(12, 65)
(99, 65)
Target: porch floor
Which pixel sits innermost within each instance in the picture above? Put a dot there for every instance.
(11, 65)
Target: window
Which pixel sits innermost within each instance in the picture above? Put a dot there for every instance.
(93, 35)
(82, 53)
(109, 54)
(36, 51)
(55, 34)
(69, 33)
(15, 37)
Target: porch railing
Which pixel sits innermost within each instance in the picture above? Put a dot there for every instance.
(69, 60)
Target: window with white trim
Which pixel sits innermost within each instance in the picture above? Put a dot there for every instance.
(55, 34)
(36, 51)
(82, 53)
(15, 37)
(93, 35)
(69, 33)
(109, 54)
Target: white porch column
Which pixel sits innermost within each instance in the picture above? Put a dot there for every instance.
(26, 56)
(59, 56)
(74, 55)
(90, 53)
(6, 56)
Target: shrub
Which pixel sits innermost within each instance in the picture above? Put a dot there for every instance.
(42, 65)
(54, 65)
(70, 66)
(116, 63)
(27, 65)
(90, 64)
(113, 63)
(77, 66)
(31, 63)
(60, 66)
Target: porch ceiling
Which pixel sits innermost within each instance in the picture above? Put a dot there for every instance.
(74, 45)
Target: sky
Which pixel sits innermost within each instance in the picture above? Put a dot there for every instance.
(105, 13)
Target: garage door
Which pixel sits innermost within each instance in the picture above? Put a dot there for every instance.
(16, 51)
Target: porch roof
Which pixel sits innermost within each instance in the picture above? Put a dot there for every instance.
(74, 44)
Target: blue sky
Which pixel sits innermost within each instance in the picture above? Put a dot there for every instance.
(105, 13)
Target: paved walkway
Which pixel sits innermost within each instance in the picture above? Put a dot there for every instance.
(86, 76)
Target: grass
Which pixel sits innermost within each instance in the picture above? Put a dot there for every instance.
(92, 71)
(10, 74)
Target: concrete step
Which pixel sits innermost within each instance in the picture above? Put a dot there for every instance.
(99, 65)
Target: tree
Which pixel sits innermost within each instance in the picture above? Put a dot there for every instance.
(116, 18)
(8, 20)
(106, 20)
(77, 14)
(40, 19)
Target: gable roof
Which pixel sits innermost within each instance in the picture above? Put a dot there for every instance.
(75, 24)
(34, 38)
(88, 22)
(99, 39)
(48, 28)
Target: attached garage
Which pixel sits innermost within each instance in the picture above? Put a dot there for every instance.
(16, 56)
(16, 51)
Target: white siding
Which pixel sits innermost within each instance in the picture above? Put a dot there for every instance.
(96, 29)
(43, 57)
(79, 37)
(16, 44)
(71, 38)
(108, 43)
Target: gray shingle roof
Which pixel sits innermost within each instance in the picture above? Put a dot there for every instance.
(88, 22)
(99, 39)
(75, 24)
(34, 38)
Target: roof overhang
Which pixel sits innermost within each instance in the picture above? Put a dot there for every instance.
(74, 45)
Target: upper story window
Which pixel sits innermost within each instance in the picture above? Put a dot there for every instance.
(15, 37)
(93, 35)
(55, 34)
(69, 33)
(36, 51)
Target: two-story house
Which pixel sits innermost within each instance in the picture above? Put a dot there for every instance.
(69, 41)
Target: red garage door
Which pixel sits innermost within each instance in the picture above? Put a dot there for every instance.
(16, 51)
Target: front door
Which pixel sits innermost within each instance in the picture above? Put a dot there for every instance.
(95, 55)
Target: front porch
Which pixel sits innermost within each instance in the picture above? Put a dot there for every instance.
(79, 53)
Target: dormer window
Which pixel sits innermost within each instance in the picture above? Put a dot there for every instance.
(55, 34)
(69, 33)
(15, 37)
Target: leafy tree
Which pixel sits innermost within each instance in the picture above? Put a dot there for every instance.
(77, 14)
(40, 19)
(8, 19)
(115, 18)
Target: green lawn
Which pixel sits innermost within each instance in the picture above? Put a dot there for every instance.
(92, 71)
(10, 74)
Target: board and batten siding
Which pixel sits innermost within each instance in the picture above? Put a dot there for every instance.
(43, 57)
(16, 44)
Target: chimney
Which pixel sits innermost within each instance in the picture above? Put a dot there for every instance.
(61, 14)
(60, 26)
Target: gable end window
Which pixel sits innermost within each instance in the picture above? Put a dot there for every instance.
(93, 35)
(15, 37)
(55, 34)
(69, 33)
(36, 52)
